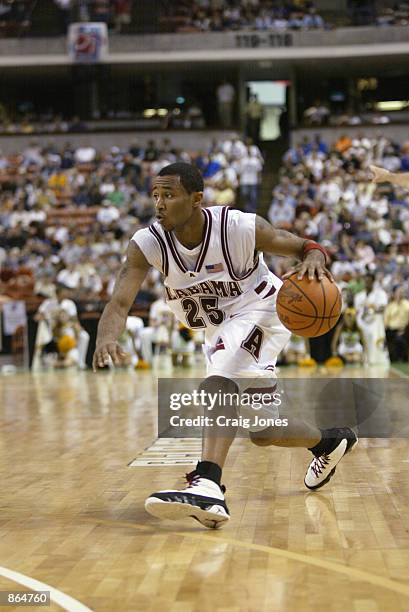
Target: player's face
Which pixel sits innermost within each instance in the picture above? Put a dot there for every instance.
(173, 205)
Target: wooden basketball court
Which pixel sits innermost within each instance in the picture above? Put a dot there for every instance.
(72, 514)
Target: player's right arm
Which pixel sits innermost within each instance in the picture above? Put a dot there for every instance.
(381, 175)
(113, 320)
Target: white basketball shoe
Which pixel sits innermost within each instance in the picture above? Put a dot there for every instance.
(322, 467)
(202, 499)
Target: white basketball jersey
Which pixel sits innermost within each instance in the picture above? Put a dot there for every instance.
(221, 278)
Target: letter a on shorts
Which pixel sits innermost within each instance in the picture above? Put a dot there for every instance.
(253, 342)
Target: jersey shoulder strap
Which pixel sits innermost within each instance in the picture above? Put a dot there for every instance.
(152, 245)
(238, 240)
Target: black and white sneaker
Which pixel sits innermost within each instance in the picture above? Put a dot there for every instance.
(322, 467)
(202, 499)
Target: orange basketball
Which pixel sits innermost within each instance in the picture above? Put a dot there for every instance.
(309, 307)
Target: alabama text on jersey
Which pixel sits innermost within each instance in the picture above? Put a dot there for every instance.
(222, 277)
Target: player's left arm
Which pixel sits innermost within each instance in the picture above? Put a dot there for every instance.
(279, 242)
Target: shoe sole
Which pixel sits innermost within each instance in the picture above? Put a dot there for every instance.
(350, 446)
(213, 518)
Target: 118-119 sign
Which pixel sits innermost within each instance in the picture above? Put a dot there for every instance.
(254, 40)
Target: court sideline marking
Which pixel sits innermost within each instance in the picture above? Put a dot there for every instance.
(61, 599)
(350, 572)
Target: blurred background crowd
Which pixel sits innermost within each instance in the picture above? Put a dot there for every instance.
(66, 216)
(125, 16)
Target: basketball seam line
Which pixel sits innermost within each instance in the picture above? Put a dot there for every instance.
(304, 294)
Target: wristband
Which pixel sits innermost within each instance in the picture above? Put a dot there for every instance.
(310, 246)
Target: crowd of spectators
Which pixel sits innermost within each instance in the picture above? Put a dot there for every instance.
(117, 14)
(194, 16)
(320, 113)
(325, 193)
(398, 15)
(221, 15)
(63, 210)
(20, 121)
(47, 123)
(66, 215)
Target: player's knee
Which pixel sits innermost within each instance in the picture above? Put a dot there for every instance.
(214, 384)
(222, 394)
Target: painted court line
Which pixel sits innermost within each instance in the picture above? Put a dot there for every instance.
(169, 451)
(61, 599)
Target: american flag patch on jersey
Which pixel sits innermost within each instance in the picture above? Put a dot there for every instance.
(214, 268)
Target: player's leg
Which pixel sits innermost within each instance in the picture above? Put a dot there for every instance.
(328, 446)
(203, 496)
(297, 433)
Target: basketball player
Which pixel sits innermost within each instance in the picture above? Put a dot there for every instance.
(216, 279)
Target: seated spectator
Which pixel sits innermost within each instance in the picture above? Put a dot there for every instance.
(182, 345)
(64, 344)
(85, 154)
(311, 20)
(281, 212)
(58, 317)
(69, 277)
(131, 343)
(347, 341)
(317, 114)
(156, 337)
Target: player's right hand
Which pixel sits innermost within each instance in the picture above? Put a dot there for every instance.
(105, 351)
(379, 175)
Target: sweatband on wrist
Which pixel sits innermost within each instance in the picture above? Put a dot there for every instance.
(314, 246)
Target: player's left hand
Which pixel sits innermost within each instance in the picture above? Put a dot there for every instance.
(312, 265)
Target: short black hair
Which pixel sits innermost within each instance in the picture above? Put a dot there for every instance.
(190, 177)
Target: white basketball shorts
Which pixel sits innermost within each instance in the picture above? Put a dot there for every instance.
(245, 349)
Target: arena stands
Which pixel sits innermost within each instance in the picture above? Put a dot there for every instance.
(204, 16)
(324, 194)
(53, 17)
(60, 210)
(66, 215)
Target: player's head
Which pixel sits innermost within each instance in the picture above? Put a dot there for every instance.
(177, 192)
